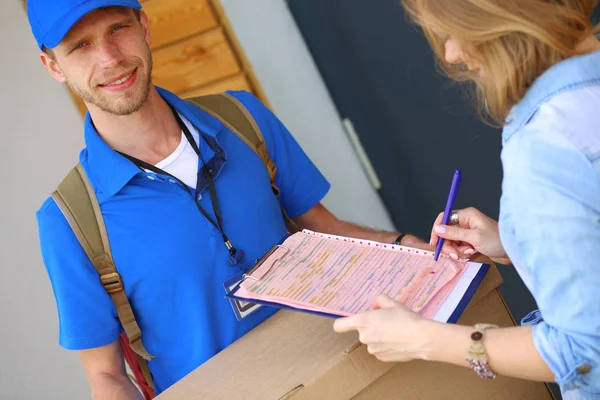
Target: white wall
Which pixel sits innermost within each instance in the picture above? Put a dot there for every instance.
(295, 89)
(40, 139)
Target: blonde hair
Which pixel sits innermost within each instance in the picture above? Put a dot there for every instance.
(515, 41)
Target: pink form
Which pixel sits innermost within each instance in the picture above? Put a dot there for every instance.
(343, 276)
(431, 308)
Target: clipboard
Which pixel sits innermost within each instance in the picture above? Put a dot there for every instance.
(468, 294)
(233, 284)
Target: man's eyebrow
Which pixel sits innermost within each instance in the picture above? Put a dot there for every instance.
(125, 21)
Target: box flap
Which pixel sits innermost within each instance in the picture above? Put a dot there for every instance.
(491, 281)
(348, 377)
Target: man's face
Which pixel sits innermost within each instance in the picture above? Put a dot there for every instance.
(106, 60)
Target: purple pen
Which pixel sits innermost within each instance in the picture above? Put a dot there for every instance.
(449, 204)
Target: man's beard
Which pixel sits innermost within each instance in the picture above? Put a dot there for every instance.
(129, 102)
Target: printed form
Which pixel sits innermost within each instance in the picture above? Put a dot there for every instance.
(343, 276)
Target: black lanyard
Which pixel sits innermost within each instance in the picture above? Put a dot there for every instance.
(235, 254)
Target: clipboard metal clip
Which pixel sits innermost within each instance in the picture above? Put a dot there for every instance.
(259, 262)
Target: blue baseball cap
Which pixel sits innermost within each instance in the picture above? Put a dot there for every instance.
(51, 20)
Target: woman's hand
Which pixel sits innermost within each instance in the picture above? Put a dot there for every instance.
(391, 331)
(474, 232)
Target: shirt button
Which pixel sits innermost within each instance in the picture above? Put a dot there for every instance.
(199, 197)
(584, 369)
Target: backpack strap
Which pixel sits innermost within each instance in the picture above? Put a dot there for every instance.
(236, 117)
(77, 200)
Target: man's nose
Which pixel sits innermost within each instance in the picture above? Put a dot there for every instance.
(109, 54)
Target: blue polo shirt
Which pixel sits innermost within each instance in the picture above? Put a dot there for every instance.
(172, 260)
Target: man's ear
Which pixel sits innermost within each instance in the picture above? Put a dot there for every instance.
(146, 27)
(52, 66)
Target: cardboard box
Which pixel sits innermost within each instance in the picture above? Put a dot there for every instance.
(296, 356)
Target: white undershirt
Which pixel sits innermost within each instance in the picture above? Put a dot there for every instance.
(183, 162)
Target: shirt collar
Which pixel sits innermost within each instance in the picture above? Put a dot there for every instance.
(570, 74)
(111, 171)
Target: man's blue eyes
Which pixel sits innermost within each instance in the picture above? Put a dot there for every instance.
(115, 29)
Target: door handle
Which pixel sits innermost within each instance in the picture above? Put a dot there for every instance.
(365, 162)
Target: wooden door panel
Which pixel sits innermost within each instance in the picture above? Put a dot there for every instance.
(194, 62)
(174, 20)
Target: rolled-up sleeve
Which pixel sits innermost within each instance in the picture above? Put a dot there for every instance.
(550, 223)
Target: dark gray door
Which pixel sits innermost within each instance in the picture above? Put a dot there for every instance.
(414, 124)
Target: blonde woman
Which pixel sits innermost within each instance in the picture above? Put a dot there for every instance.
(535, 65)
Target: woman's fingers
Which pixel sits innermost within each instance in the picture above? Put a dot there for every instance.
(385, 301)
(434, 237)
(451, 250)
(456, 233)
(465, 250)
(457, 240)
(450, 247)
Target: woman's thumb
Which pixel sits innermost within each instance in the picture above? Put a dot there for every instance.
(384, 301)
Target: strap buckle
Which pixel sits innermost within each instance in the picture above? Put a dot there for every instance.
(112, 282)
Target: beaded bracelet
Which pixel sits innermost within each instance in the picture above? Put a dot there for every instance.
(477, 357)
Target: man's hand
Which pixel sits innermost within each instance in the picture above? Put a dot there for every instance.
(416, 242)
(320, 219)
